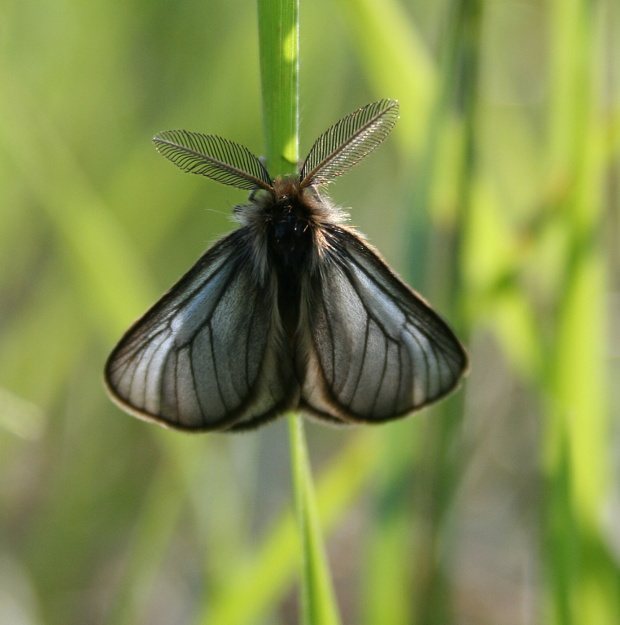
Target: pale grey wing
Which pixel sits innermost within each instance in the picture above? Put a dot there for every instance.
(209, 354)
(376, 351)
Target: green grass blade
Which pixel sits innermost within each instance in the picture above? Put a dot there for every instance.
(279, 53)
(575, 453)
(318, 601)
(266, 575)
(278, 25)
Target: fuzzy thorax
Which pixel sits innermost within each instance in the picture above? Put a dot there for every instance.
(289, 226)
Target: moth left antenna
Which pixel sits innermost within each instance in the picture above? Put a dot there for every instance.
(212, 156)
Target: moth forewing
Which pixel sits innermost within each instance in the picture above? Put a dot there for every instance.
(207, 355)
(377, 351)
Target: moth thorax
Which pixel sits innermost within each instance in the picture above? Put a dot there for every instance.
(289, 227)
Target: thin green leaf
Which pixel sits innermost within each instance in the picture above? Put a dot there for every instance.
(318, 602)
(279, 51)
(278, 31)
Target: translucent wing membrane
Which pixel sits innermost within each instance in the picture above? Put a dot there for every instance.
(348, 142)
(377, 350)
(214, 157)
(206, 356)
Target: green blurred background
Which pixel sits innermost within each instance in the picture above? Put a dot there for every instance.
(496, 196)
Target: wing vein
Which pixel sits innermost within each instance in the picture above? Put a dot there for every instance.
(382, 377)
(217, 376)
(363, 359)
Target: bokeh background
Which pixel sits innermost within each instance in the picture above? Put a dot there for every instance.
(496, 196)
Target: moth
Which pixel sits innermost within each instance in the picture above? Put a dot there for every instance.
(294, 310)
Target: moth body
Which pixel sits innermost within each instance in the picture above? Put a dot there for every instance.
(287, 229)
(292, 311)
(287, 225)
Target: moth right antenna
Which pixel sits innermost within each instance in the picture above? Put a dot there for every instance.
(348, 142)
